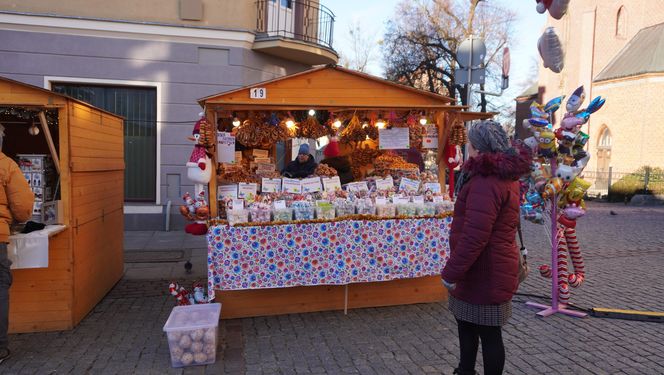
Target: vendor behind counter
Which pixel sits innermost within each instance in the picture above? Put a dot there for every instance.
(340, 163)
(303, 166)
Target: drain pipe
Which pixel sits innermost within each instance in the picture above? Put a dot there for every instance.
(167, 226)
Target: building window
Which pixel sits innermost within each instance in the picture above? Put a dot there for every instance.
(138, 105)
(605, 138)
(621, 22)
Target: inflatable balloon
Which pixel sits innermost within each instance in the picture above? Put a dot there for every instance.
(558, 8)
(551, 50)
(575, 100)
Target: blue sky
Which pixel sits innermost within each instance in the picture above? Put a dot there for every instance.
(373, 15)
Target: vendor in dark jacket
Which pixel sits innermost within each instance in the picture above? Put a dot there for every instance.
(482, 271)
(340, 163)
(303, 166)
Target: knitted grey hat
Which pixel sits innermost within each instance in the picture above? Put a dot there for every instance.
(488, 136)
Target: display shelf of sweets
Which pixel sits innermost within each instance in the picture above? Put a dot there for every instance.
(386, 210)
(303, 210)
(192, 334)
(237, 216)
(282, 214)
(260, 212)
(325, 211)
(407, 209)
(444, 207)
(426, 209)
(365, 207)
(344, 207)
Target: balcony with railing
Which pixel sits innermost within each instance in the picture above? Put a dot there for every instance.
(298, 30)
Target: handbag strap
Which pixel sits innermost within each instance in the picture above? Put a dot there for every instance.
(523, 250)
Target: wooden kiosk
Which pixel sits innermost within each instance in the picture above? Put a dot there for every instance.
(336, 90)
(85, 260)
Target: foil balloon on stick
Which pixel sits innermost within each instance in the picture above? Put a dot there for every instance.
(551, 50)
(556, 8)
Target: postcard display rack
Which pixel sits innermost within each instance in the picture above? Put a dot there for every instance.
(42, 177)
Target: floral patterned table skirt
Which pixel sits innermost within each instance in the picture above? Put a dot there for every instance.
(330, 253)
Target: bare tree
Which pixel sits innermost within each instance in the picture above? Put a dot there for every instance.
(421, 40)
(363, 47)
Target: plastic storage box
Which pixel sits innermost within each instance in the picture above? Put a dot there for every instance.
(192, 334)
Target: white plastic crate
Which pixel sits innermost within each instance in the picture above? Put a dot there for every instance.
(192, 334)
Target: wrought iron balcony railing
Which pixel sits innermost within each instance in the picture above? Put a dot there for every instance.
(304, 20)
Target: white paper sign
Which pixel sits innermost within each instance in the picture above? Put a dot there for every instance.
(381, 201)
(393, 139)
(407, 184)
(430, 139)
(291, 185)
(224, 191)
(279, 205)
(247, 190)
(418, 199)
(357, 186)
(385, 183)
(437, 199)
(225, 148)
(237, 204)
(311, 185)
(271, 185)
(433, 186)
(332, 183)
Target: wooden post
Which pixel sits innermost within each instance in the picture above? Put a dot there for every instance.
(442, 122)
(49, 140)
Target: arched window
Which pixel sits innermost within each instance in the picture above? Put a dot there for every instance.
(621, 22)
(605, 138)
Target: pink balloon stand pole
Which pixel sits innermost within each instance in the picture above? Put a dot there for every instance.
(556, 306)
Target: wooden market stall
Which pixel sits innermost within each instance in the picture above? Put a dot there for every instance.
(85, 259)
(338, 91)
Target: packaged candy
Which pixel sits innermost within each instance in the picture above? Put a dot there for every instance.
(237, 216)
(344, 207)
(259, 212)
(427, 209)
(303, 210)
(365, 207)
(282, 214)
(325, 212)
(407, 209)
(386, 210)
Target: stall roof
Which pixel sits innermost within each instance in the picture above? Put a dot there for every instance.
(329, 87)
(16, 93)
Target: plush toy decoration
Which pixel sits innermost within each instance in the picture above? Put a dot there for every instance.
(199, 293)
(196, 211)
(199, 166)
(180, 293)
(551, 50)
(452, 155)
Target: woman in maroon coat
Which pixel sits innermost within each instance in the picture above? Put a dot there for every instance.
(482, 271)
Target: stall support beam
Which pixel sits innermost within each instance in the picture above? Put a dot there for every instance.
(49, 140)
(212, 186)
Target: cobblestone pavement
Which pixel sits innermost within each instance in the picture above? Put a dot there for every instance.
(624, 259)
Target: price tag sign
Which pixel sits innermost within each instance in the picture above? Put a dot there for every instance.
(311, 185)
(258, 93)
(385, 183)
(437, 199)
(381, 201)
(357, 186)
(224, 191)
(247, 190)
(418, 199)
(332, 183)
(400, 200)
(433, 186)
(271, 185)
(407, 184)
(279, 205)
(291, 185)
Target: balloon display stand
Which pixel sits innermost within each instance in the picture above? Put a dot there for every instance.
(555, 306)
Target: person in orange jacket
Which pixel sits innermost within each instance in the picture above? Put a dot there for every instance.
(16, 200)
